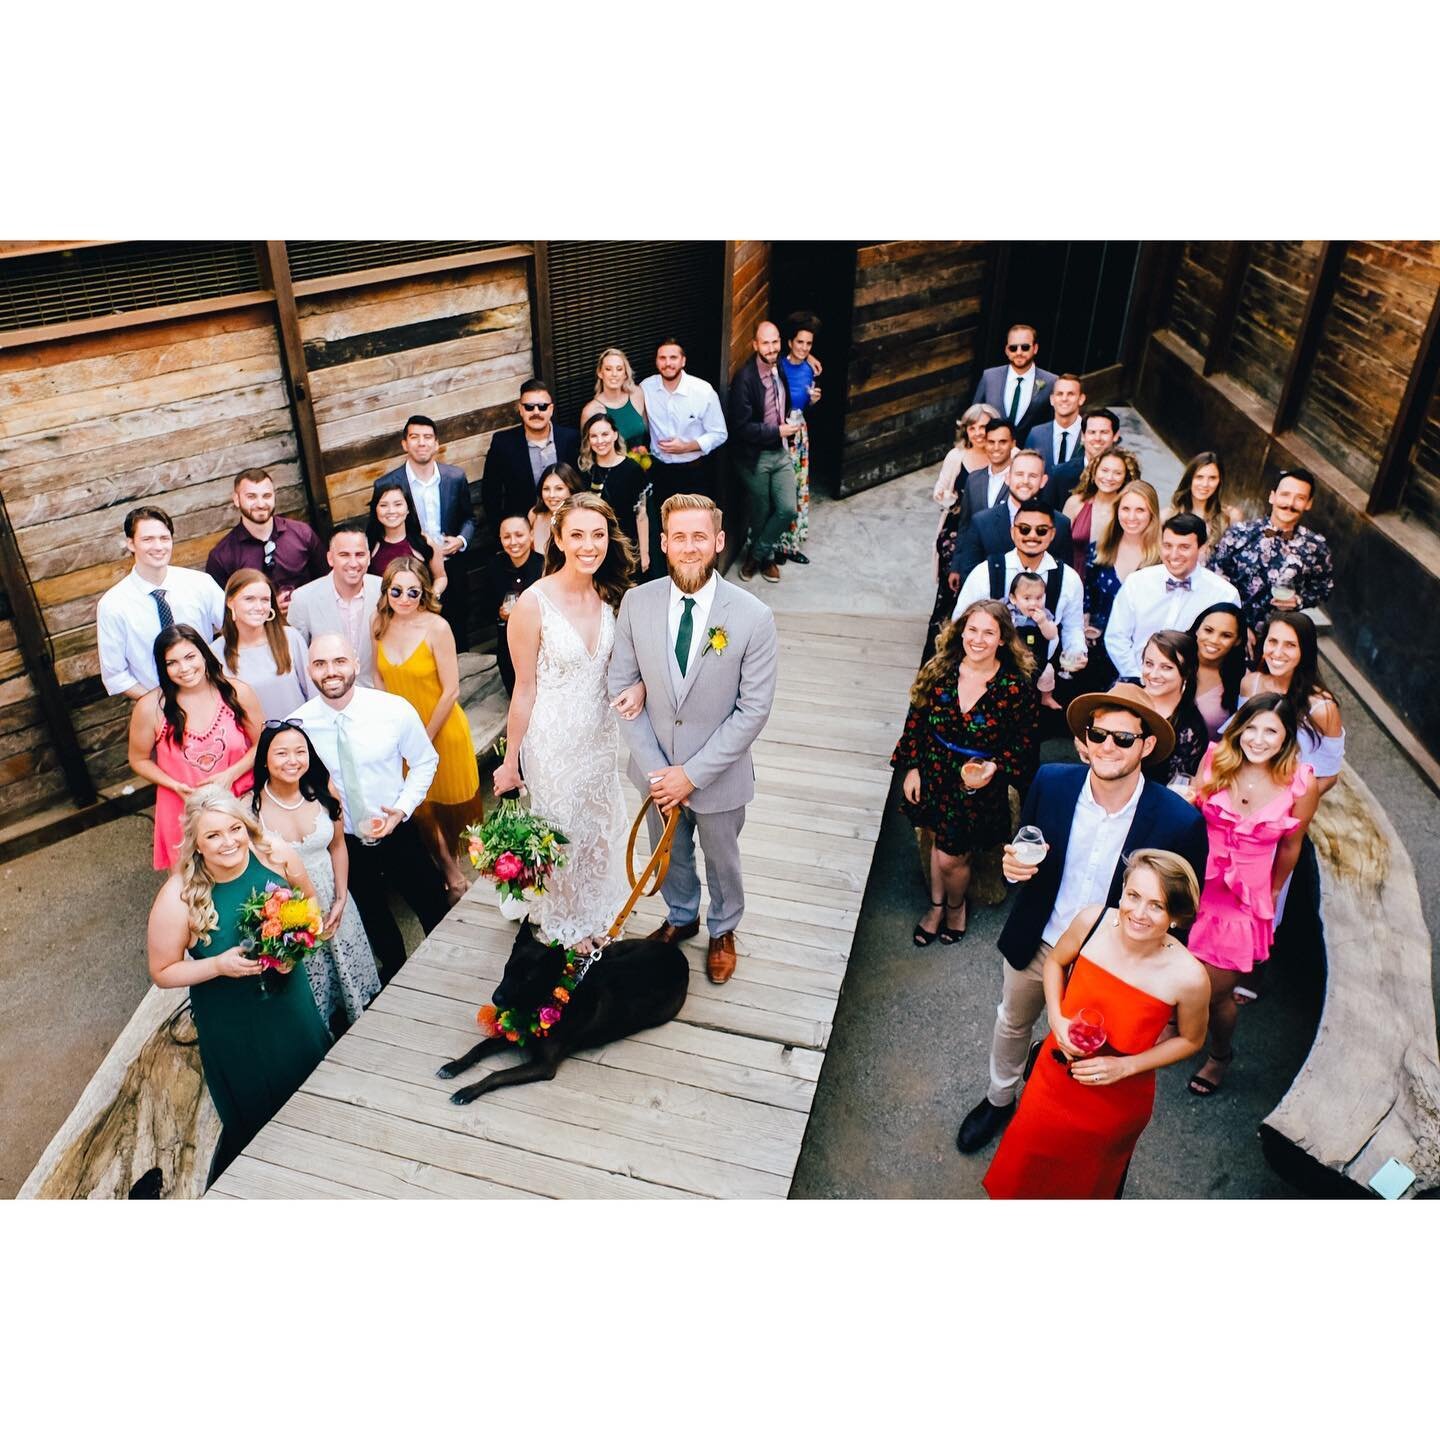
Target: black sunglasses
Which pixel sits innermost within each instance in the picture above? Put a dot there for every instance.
(283, 725)
(410, 593)
(1124, 739)
(536, 405)
(1019, 347)
(269, 553)
(1034, 529)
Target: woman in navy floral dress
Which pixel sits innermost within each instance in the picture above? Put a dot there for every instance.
(973, 731)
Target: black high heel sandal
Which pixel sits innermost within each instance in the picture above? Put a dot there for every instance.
(923, 937)
(948, 936)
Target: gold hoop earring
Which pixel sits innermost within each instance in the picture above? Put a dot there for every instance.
(271, 615)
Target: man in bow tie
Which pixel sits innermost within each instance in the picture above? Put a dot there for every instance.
(1167, 596)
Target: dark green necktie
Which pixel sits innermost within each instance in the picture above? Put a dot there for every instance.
(1015, 405)
(683, 634)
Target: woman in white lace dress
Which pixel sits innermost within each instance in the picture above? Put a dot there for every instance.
(295, 802)
(561, 734)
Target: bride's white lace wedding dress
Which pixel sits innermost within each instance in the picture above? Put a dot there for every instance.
(570, 763)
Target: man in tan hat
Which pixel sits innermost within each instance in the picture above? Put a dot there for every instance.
(1091, 816)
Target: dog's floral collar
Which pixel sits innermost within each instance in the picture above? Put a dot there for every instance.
(518, 1027)
(717, 639)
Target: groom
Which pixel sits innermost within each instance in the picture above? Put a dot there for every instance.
(706, 650)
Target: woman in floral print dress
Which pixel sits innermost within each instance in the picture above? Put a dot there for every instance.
(973, 731)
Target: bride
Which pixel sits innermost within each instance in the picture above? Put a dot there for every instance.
(561, 733)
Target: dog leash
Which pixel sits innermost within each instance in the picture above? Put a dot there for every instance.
(655, 869)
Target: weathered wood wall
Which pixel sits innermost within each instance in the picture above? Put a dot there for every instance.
(92, 426)
(1331, 362)
(455, 346)
(912, 363)
(749, 296)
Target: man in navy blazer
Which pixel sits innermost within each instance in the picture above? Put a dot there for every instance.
(511, 482)
(440, 497)
(989, 532)
(1092, 816)
(998, 385)
(1061, 433)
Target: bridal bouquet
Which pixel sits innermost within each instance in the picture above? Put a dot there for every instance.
(516, 849)
(281, 926)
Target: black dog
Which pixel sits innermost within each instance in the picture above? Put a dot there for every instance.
(635, 985)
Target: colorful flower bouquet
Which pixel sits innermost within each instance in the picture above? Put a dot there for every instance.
(516, 849)
(516, 1026)
(281, 926)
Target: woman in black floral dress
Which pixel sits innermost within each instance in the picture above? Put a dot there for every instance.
(973, 731)
(1169, 669)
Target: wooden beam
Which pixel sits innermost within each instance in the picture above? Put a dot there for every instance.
(1227, 307)
(125, 319)
(13, 249)
(1154, 277)
(541, 321)
(35, 646)
(994, 324)
(275, 266)
(1394, 463)
(727, 322)
(465, 260)
(1307, 337)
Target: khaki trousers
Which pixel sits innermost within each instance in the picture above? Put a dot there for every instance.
(1022, 1003)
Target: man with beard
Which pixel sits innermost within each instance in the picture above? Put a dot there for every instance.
(287, 552)
(706, 650)
(366, 738)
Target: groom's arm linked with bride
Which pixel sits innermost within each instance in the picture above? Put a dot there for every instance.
(691, 743)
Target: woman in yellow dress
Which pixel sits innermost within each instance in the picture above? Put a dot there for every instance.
(415, 659)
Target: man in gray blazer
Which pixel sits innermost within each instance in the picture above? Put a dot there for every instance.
(707, 651)
(344, 601)
(1020, 391)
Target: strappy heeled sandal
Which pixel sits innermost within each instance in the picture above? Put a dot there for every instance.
(923, 937)
(949, 936)
(1202, 1087)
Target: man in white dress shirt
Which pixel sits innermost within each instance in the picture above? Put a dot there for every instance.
(687, 426)
(344, 601)
(365, 738)
(153, 595)
(1167, 596)
(1032, 531)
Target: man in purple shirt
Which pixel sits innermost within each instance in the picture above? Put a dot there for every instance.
(760, 435)
(288, 551)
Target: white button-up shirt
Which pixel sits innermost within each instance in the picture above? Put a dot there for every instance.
(1144, 605)
(704, 598)
(1073, 432)
(382, 730)
(426, 495)
(1069, 613)
(1026, 382)
(995, 485)
(127, 622)
(689, 412)
(1091, 855)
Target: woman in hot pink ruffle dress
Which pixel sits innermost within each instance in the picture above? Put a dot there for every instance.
(1257, 797)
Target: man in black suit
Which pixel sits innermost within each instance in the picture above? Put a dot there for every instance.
(518, 458)
(989, 532)
(1091, 816)
(760, 446)
(1058, 440)
(440, 496)
(1020, 391)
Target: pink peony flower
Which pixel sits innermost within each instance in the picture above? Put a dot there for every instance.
(508, 866)
(549, 1015)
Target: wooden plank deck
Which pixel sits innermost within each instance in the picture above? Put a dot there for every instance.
(713, 1104)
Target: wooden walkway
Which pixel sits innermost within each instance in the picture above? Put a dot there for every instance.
(713, 1104)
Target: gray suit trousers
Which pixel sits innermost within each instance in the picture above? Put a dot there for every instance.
(720, 840)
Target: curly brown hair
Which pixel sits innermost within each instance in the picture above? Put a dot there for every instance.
(1086, 488)
(949, 648)
(616, 573)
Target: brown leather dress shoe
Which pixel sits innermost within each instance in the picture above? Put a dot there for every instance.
(747, 570)
(720, 962)
(771, 572)
(676, 934)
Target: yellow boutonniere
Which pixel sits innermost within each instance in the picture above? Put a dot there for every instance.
(717, 640)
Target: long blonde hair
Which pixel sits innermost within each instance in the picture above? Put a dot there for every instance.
(629, 383)
(949, 649)
(1109, 545)
(1087, 489)
(196, 885)
(274, 626)
(1227, 757)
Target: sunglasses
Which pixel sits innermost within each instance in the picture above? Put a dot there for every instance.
(1034, 529)
(536, 404)
(269, 553)
(1124, 739)
(410, 593)
(1022, 348)
(284, 725)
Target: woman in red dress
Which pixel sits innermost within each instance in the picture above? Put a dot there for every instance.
(1082, 1111)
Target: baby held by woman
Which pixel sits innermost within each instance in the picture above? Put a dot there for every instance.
(1037, 628)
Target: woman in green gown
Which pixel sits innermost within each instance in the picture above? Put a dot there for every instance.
(259, 1040)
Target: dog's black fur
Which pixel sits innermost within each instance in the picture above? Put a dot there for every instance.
(635, 985)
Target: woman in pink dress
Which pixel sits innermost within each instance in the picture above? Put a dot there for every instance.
(197, 727)
(1257, 796)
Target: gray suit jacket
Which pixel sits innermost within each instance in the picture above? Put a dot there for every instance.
(313, 612)
(722, 704)
(991, 391)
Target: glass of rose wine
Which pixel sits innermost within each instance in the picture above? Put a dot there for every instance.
(1087, 1034)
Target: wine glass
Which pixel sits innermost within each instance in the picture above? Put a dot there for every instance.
(1087, 1034)
(1181, 782)
(512, 598)
(1029, 845)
